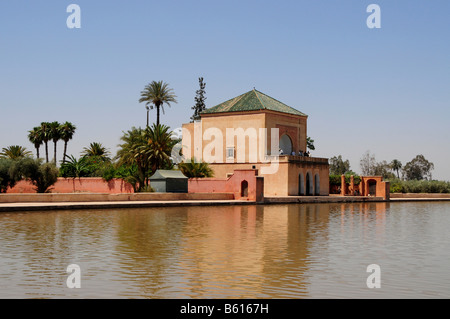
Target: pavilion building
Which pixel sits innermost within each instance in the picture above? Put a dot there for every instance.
(256, 131)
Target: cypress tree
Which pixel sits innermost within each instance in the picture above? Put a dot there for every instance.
(199, 100)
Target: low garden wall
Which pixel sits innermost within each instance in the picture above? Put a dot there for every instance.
(97, 197)
(419, 195)
(78, 185)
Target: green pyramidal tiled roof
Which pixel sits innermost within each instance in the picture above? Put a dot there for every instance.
(252, 101)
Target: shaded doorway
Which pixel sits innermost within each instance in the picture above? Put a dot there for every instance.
(372, 187)
(301, 184)
(317, 184)
(309, 185)
(244, 189)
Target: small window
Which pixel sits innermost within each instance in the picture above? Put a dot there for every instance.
(230, 152)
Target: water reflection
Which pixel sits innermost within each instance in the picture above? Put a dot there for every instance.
(276, 251)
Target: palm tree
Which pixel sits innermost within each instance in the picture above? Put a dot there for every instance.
(149, 149)
(129, 153)
(55, 136)
(96, 150)
(45, 134)
(35, 137)
(396, 165)
(75, 168)
(156, 94)
(192, 169)
(67, 132)
(159, 146)
(15, 152)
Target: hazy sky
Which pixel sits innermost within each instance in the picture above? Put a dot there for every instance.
(386, 90)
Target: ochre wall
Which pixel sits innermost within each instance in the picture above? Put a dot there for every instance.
(285, 182)
(221, 123)
(316, 171)
(292, 125)
(78, 185)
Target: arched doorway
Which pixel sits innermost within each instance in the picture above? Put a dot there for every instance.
(286, 144)
(244, 189)
(317, 184)
(372, 187)
(301, 184)
(309, 184)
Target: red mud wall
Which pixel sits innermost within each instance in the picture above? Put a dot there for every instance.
(255, 189)
(78, 185)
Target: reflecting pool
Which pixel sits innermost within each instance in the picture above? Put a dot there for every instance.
(261, 251)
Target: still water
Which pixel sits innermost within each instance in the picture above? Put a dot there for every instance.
(279, 251)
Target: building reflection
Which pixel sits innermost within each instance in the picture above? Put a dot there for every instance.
(364, 211)
(229, 251)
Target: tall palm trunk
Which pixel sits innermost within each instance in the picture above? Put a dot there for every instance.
(46, 151)
(65, 151)
(157, 115)
(37, 151)
(54, 152)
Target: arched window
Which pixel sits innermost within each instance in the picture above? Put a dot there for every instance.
(286, 144)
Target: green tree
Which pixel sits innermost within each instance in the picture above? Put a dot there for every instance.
(418, 168)
(9, 174)
(156, 94)
(128, 173)
(383, 169)
(149, 149)
(67, 133)
(98, 151)
(370, 167)
(199, 100)
(35, 137)
(55, 136)
(15, 152)
(396, 165)
(159, 146)
(338, 166)
(310, 143)
(42, 176)
(194, 169)
(130, 154)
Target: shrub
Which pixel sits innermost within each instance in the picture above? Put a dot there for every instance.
(146, 189)
(336, 179)
(419, 186)
(396, 187)
(9, 174)
(42, 176)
